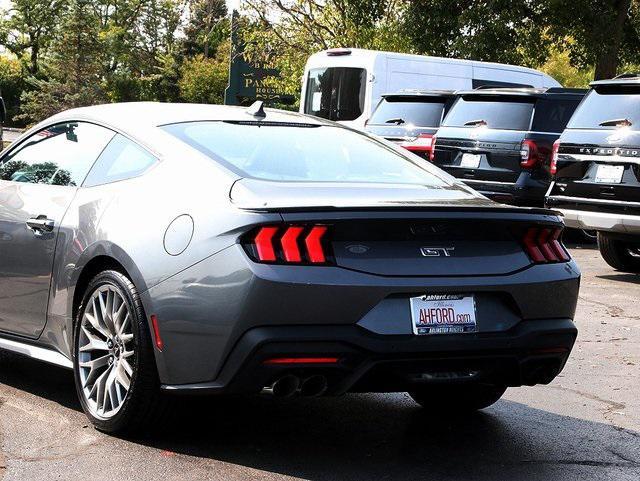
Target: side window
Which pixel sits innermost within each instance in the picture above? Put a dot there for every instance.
(58, 155)
(553, 115)
(121, 159)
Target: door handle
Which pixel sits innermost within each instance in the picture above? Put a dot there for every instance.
(40, 225)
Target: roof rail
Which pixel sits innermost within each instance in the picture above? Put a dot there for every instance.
(627, 75)
(563, 90)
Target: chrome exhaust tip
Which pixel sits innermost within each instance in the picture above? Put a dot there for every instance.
(314, 386)
(286, 386)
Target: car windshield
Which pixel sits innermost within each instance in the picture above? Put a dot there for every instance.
(608, 108)
(301, 152)
(415, 111)
(507, 113)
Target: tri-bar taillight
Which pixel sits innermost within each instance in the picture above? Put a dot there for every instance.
(543, 245)
(289, 244)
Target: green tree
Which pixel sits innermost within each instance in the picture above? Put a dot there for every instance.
(11, 85)
(204, 79)
(75, 70)
(29, 27)
(207, 27)
(559, 66)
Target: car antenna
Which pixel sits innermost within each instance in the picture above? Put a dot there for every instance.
(256, 109)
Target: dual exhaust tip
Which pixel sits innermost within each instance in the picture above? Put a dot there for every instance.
(290, 385)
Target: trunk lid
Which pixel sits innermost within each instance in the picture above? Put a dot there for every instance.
(257, 194)
(496, 153)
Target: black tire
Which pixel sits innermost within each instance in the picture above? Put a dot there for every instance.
(144, 404)
(457, 398)
(617, 253)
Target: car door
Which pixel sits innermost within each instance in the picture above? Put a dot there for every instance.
(38, 180)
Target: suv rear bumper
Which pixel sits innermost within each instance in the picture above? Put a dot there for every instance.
(526, 192)
(601, 217)
(532, 352)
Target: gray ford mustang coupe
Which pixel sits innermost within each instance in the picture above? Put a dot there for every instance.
(164, 248)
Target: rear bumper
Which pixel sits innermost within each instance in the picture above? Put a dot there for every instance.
(525, 192)
(531, 352)
(597, 214)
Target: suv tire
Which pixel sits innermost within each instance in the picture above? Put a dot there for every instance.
(617, 253)
(140, 404)
(458, 398)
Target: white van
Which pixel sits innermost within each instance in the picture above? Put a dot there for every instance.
(346, 84)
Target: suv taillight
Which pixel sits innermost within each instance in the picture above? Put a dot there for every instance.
(288, 244)
(432, 152)
(543, 245)
(553, 169)
(529, 154)
(422, 143)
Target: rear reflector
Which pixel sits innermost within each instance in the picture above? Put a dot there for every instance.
(288, 244)
(542, 244)
(156, 332)
(302, 360)
(432, 151)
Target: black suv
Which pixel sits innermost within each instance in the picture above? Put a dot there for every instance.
(410, 118)
(499, 140)
(597, 170)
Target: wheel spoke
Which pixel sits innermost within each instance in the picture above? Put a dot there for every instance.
(93, 342)
(122, 376)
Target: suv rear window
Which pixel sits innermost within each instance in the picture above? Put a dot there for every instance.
(552, 115)
(605, 105)
(301, 152)
(505, 113)
(417, 111)
(336, 93)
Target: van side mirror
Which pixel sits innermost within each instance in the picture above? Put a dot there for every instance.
(3, 111)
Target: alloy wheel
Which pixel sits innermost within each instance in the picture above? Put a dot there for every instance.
(106, 352)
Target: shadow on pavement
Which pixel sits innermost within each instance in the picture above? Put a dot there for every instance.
(369, 437)
(621, 277)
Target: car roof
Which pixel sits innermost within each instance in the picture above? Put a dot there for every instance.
(136, 115)
(553, 92)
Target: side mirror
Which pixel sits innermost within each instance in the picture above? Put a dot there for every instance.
(3, 111)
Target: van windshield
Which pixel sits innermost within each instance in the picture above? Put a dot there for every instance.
(336, 93)
(504, 113)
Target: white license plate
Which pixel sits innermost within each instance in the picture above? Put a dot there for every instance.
(609, 174)
(470, 161)
(443, 314)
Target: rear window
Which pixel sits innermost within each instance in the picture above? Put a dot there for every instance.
(553, 115)
(506, 113)
(607, 106)
(298, 152)
(420, 112)
(336, 93)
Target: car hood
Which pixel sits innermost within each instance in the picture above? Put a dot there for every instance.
(257, 194)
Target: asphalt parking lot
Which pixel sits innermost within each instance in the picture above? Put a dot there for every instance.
(585, 425)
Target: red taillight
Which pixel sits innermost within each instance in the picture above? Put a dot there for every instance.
(302, 360)
(529, 154)
(421, 144)
(293, 244)
(553, 169)
(543, 245)
(264, 244)
(432, 152)
(289, 243)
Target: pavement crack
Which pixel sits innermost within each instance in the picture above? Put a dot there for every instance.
(611, 404)
(584, 462)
